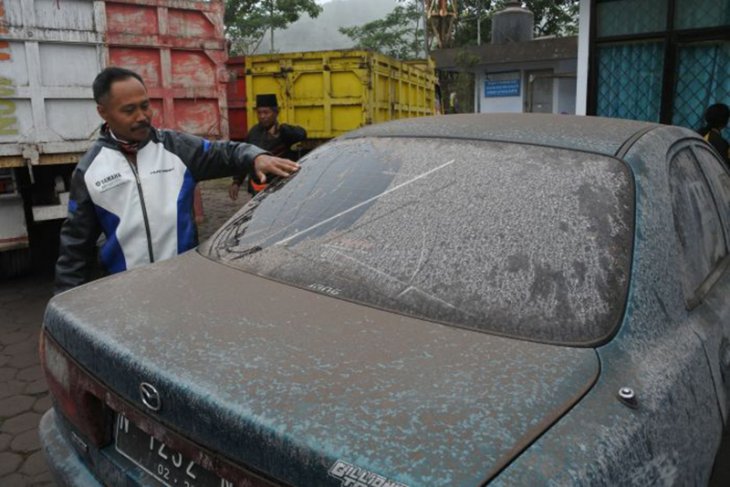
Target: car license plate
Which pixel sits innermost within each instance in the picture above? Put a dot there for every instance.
(169, 467)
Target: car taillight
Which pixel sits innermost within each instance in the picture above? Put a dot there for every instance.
(78, 396)
(75, 393)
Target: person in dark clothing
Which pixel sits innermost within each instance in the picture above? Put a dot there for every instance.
(271, 136)
(716, 118)
(135, 184)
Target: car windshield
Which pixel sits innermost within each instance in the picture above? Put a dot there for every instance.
(520, 240)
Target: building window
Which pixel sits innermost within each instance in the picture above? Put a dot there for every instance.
(703, 78)
(695, 14)
(659, 60)
(621, 17)
(630, 80)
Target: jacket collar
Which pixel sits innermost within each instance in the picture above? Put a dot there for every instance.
(126, 147)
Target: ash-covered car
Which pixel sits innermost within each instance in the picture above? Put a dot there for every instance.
(446, 301)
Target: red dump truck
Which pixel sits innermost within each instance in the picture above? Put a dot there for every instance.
(50, 52)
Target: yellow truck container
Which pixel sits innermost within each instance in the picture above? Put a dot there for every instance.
(330, 93)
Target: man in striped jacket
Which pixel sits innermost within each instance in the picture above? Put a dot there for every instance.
(135, 184)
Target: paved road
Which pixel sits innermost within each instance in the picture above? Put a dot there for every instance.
(23, 393)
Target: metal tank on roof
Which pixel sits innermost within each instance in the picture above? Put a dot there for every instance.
(513, 24)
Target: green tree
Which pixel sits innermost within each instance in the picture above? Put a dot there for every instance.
(247, 21)
(399, 34)
(458, 86)
(552, 17)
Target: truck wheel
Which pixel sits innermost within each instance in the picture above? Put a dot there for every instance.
(14, 263)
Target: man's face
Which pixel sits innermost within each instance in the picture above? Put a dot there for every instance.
(127, 110)
(266, 117)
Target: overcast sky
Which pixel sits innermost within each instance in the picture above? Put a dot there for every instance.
(322, 33)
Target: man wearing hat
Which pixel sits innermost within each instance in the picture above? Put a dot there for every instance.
(270, 135)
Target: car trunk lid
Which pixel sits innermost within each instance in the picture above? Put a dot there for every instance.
(312, 390)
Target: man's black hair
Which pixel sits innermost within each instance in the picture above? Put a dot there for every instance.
(717, 115)
(103, 81)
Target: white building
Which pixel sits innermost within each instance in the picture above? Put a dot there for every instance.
(516, 73)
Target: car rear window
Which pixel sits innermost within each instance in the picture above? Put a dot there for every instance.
(513, 239)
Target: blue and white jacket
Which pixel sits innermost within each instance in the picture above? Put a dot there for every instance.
(145, 209)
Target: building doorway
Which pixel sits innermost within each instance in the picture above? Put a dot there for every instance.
(539, 91)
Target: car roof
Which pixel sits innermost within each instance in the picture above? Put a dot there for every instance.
(594, 134)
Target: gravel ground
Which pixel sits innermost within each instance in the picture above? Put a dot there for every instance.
(217, 206)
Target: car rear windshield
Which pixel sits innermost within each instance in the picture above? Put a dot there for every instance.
(513, 239)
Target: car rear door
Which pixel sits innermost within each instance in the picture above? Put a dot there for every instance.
(700, 187)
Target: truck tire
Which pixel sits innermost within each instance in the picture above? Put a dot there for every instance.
(14, 263)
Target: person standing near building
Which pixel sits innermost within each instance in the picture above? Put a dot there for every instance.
(135, 184)
(716, 119)
(270, 135)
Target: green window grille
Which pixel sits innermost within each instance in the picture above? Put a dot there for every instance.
(624, 17)
(695, 14)
(630, 80)
(703, 78)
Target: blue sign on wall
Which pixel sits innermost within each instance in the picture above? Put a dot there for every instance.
(502, 87)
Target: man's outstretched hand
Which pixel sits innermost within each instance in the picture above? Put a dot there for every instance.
(233, 190)
(275, 166)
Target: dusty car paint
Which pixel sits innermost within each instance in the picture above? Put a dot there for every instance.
(600, 136)
(308, 380)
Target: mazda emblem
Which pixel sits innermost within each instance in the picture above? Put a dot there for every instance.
(150, 396)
